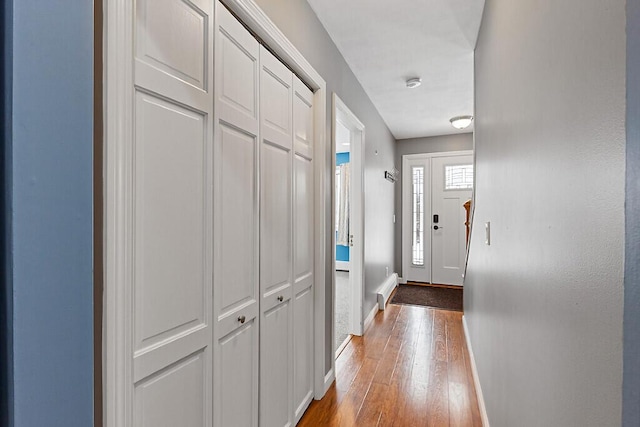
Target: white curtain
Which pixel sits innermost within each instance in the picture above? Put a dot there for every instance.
(343, 213)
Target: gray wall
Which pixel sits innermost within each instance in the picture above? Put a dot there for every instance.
(298, 22)
(432, 144)
(631, 386)
(544, 302)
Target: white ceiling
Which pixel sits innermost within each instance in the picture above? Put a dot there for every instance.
(387, 42)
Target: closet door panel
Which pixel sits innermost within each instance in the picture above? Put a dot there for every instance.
(303, 352)
(236, 221)
(276, 93)
(275, 242)
(303, 263)
(303, 119)
(239, 378)
(303, 224)
(158, 402)
(275, 366)
(237, 80)
(238, 236)
(163, 214)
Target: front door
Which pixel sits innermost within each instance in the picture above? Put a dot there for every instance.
(435, 188)
(452, 181)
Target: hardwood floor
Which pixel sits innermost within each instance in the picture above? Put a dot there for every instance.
(410, 369)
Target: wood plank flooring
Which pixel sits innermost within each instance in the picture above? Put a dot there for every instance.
(411, 368)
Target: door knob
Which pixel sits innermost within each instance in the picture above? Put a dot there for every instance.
(241, 319)
(280, 298)
(435, 227)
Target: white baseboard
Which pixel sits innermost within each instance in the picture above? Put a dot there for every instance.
(369, 319)
(402, 280)
(328, 380)
(384, 292)
(342, 265)
(476, 379)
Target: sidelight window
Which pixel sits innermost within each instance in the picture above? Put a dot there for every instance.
(417, 174)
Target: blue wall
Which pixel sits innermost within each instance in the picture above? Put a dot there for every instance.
(342, 252)
(49, 212)
(631, 381)
(342, 158)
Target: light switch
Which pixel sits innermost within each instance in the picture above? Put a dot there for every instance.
(487, 233)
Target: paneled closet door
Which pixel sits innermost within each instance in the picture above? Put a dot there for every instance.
(303, 264)
(236, 242)
(166, 214)
(276, 136)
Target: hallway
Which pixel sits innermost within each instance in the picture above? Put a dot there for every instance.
(410, 369)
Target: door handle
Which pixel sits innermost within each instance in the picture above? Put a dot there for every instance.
(242, 319)
(280, 298)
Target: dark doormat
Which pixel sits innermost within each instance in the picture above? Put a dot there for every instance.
(429, 296)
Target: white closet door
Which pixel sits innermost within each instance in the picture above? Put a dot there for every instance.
(275, 242)
(167, 211)
(303, 266)
(236, 224)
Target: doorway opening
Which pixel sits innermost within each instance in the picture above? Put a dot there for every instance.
(348, 225)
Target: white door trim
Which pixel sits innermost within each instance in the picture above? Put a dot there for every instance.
(406, 226)
(118, 129)
(341, 112)
(118, 72)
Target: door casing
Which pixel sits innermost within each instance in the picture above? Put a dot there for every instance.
(343, 114)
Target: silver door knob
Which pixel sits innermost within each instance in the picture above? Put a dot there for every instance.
(241, 319)
(280, 298)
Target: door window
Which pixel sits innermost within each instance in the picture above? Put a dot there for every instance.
(458, 177)
(417, 173)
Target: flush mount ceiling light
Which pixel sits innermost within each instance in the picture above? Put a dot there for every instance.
(461, 122)
(413, 83)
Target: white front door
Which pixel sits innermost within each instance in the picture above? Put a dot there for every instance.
(416, 220)
(435, 188)
(452, 181)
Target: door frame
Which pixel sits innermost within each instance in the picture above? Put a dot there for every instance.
(342, 113)
(118, 69)
(406, 205)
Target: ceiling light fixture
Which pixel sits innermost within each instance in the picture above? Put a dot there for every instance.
(461, 122)
(413, 83)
